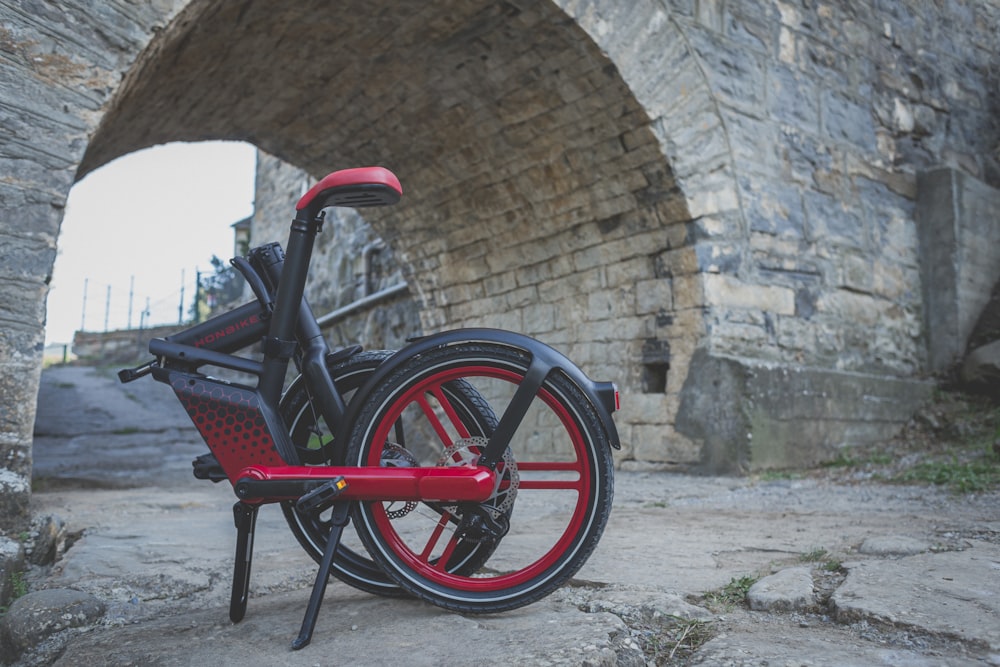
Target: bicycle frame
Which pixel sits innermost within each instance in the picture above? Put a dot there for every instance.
(242, 425)
(282, 321)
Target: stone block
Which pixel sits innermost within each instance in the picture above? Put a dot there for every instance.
(960, 258)
(833, 221)
(653, 295)
(773, 209)
(728, 292)
(844, 118)
(793, 98)
(715, 195)
(40, 614)
(735, 74)
(787, 590)
(747, 415)
(12, 559)
(15, 491)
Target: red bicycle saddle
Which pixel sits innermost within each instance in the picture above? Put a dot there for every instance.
(354, 188)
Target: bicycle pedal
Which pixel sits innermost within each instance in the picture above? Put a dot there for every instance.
(207, 466)
(322, 497)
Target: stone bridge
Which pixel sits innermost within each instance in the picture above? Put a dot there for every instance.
(718, 203)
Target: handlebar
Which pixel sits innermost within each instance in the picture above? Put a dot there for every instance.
(127, 375)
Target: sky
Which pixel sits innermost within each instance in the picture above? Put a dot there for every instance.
(150, 217)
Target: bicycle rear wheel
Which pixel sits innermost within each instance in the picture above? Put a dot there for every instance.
(554, 492)
(310, 435)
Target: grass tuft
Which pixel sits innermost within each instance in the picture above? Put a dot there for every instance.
(731, 595)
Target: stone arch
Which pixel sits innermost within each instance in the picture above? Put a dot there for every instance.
(542, 192)
(731, 188)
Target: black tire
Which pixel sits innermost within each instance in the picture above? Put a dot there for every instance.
(308, 431)
(560, 470)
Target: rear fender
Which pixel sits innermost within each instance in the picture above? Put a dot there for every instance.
(603, 396)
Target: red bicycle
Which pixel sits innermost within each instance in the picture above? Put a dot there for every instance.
(475, 464)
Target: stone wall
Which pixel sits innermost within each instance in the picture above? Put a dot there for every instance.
(656, 187)
(827, 113)
(796, 131)
(123, 347)
(59, 66)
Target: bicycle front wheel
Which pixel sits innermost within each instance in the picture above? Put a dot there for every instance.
(553, 495)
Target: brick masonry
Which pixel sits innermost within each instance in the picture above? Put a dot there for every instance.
(642, 184)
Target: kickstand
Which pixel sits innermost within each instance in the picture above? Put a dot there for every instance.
(245, 517)
(339, 519)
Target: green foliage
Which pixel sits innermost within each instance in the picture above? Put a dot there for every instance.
(814, 556)
(833, 565)
(959, 476)
(732, 594)
(20, 585)
(217, 290)
(821, 555)
(953, 442)
(844, 460)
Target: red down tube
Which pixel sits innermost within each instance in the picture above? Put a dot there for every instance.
(454, 483)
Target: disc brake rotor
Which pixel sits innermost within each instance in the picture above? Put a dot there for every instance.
(467, 452)
(394, 456)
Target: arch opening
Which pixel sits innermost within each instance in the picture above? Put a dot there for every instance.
(138, 233)
(537, 197)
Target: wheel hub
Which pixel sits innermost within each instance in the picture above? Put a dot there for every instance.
(467, 452)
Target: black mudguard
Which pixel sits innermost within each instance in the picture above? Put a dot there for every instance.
(544, 359)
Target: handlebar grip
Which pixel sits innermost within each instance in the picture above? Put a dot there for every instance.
(127, 375)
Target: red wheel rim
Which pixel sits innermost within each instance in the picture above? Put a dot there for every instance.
(432, 568)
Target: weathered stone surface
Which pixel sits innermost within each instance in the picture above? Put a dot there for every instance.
(893, 545)
(953, 588)
(981, 368)
(11, 567)
(47, 539)
(744, 416)
(35, 616)
(165, 569)
(790, 589)
(15, 493)
(960, 255)
(736, 176)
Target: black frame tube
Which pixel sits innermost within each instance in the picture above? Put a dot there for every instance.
(226, 332)
(213, 341)
(288, 303)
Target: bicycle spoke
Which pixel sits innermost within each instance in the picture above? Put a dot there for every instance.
(425, 555)
(431, 415)
(449, 409)
(530, 483)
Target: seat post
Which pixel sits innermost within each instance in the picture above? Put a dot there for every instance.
(279, 345)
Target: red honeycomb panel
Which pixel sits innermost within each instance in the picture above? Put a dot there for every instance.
(230, 422)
